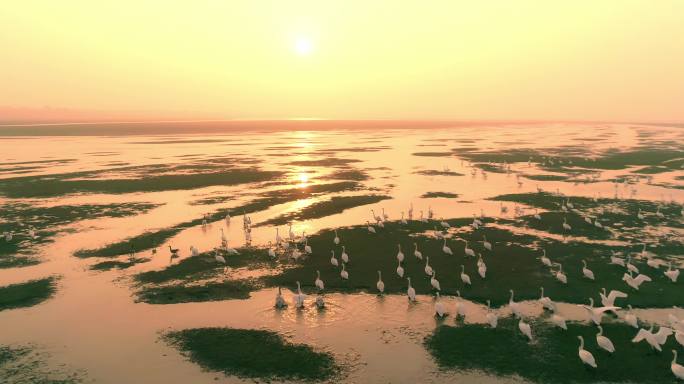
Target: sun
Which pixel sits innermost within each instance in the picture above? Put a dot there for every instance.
(303, 46)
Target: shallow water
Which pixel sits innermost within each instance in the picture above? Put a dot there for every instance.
(93, 324)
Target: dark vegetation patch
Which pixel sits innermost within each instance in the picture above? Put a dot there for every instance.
(152, 239)
(351, 149)
(446, 195)
(347, 174)
(45, 221)
(433, 154)
(187, 293)
(24, 365)
(552, 357)
(26, 294)
(546, 177)
(435, 172)
(337, 204)
(118, 264)
(148, 178)
(327, 162)
(252, 354)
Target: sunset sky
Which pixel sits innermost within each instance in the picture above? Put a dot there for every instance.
(535, 59)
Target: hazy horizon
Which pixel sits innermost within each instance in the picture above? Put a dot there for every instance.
(524, 60)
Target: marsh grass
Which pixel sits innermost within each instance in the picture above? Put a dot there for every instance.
(553, 356)
(26, 294)
(252, 354)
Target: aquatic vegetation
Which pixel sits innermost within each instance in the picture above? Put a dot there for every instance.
(152, 239)
(552, 356)
(252, 354)
(157, 178)
(326, 162)
(188, 292)
(27, 294)
(116, 264)
(433, 154)
(434, 172)
(446, 195)
(22, 364)
(336, 204)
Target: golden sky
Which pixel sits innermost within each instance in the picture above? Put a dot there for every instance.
(523, 59)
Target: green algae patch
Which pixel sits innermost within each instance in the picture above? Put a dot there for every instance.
(446, 195)
(552, 357)
(433, 154)
(23, 364)
(256, 354)
(335, 205)
(27, 294)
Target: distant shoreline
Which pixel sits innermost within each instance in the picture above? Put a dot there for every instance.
(128, 128)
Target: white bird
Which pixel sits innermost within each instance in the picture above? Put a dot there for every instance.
(635, 282)
(649, 336)
(446, 249)
(403, 221)
(560, 276)
(640, 215)
(559, 321)
(271, 251)
(596, 313)
(676, 368)
(653, 263)
(439, 307)
(434, 282)
(343, 273)
(219, 258)
(410, 291)
(278, 239)
(417, 253)
(223, 236)
(469, 251)
(566, 226)
(584, 355)
(492, 319)
(603, 341)
(307, 247)
(464, 277)
(487, 244)
(630, 266)
(290, 233)
(380, 284)
(384, 215)
(525, 328)
(459, 310)
(344, 256)
(227, 218)
(546, 301)
(672, 274)
(333, 259)
(617, 260)
(545, 260)
(444, 224)
(400, 254)
(376, 217)
(659, 214)
(400, 269)
(370, 228)
(194, 251)
(536, 215)
(319, 283)
(279, 301)
(515, 307)
(609, 300)
(299, 297)
(586, 271)
(630, 318)
(428, 268)
(481, 267)
(336, 240)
